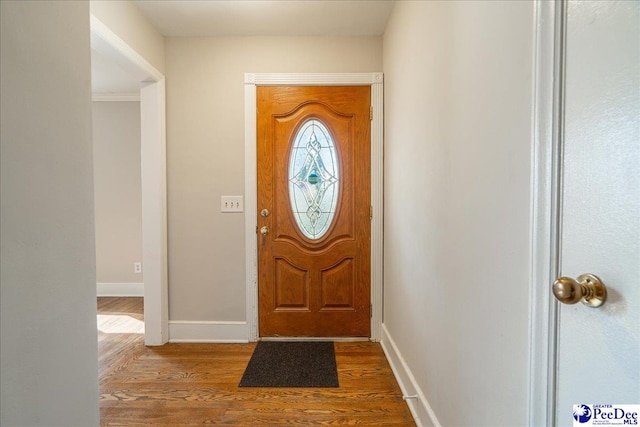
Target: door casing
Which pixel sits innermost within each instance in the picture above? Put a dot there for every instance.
(545, 207)
(375, 81)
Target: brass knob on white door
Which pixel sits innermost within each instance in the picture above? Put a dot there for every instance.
(264, 230)
(587, 288)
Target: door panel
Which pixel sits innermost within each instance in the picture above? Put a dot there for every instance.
(599, 348)
(334, 294)
(314, 280)
(291, 286)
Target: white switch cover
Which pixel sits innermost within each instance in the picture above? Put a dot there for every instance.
(231, 204)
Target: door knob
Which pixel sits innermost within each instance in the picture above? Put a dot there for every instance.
(264, 230)
(264, 212)
(586, 288)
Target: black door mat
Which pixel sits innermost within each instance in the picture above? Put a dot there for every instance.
(292, 364)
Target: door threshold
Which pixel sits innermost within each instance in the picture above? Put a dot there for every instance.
(338, 339)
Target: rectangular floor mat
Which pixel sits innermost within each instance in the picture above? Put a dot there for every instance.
(292, 364)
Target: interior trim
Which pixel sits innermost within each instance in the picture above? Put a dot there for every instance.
(421, 410)
(188, 331)
(120, 289)
(545, 210)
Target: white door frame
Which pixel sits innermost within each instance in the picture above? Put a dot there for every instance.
(375, 80)
(546, 207)
(153, 157)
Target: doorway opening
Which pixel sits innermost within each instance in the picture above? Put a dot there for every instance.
(145, 85)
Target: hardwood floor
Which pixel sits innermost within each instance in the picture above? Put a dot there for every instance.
(197, 384)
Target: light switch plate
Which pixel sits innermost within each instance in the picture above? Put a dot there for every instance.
(232, 204)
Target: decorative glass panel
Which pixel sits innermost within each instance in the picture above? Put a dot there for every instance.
(313, 179)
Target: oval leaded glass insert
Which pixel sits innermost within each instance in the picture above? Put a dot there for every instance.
(313, 179)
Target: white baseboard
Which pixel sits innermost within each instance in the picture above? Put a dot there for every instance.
(120, 289)
(203, 332)
(419, 406)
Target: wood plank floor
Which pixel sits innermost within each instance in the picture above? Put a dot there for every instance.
(197, 384)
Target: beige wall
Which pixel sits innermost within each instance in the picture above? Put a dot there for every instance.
(458, 107)
(48, 342)
(118, 198)
(126, 20)
(205, 155)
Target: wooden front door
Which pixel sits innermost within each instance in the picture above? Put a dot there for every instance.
(314, 229)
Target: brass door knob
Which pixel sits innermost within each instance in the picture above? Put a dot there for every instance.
(586, 288)
(264, 230)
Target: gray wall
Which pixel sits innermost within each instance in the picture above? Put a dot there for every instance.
(48, 344)
(118, 198)
(458, 100)
(205, 155)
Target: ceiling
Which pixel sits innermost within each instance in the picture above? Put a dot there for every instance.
(225, 18)
(220, 18)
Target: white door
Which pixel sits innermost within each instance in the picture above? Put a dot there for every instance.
(599, 348)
